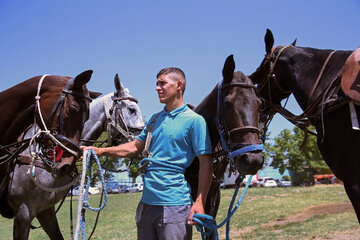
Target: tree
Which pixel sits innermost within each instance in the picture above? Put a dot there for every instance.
(286, 154)
(134, 171)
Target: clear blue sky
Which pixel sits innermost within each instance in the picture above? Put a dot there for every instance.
(138, 38)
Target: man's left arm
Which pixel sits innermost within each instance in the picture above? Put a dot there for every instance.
(205, 178)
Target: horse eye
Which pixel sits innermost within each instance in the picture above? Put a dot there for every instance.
(262, 105)
(228, 104)
(73, 109)
(132, 110)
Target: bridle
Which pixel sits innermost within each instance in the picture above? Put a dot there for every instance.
(225, 133)
(111, 123)
(273, 61)
(303, 120)
(39, 143)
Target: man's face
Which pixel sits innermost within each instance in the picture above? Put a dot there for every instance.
(167, 88)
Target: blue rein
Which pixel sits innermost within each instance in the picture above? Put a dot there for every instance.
(206, 224)
(232, 154)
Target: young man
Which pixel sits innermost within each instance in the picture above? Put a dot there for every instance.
(178, 135)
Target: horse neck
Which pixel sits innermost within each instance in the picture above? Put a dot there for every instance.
(305, 64)
(96, 124)
(19, 111)
(208, 109)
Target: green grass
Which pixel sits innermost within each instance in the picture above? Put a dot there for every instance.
(260, 207)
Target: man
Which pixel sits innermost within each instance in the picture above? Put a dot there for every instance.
(178, 135)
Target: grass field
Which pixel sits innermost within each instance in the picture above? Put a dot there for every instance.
(321, 212)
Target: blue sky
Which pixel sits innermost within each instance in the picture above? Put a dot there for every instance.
(138, 38)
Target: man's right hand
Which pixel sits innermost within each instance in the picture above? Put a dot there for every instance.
(98, 151)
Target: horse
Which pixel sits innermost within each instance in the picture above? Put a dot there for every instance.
(313, 76)
(231, 114)
(29, 199)
(116, 113)
(59, 105)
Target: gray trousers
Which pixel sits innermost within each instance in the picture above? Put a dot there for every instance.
(163, 222)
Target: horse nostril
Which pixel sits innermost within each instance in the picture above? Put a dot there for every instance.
(242, 164)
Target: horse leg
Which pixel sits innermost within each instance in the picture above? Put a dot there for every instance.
(22, 222)
(49, 223)
(212, 202)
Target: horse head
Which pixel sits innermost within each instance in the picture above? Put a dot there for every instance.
(273, 76)
(125, 113)
(237, 120)
(62, 110)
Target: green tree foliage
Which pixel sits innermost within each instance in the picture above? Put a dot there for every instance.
(134, 171)
(285, 153)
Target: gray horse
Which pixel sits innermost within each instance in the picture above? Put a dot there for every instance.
(29, 197)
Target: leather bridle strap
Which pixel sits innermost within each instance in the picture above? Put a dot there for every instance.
(112, 123)
(244, 85)
(319, 76)
(124, 98)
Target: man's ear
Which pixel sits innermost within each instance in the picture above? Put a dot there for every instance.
(179, 85)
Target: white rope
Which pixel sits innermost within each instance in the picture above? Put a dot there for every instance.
(46, 131)
(81, 196)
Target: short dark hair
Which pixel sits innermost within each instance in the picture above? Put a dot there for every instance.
(177, 71)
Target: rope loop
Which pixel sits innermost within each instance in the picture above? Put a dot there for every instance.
(89, 157)
(206, 224)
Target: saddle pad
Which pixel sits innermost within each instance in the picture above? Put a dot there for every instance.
(350, 80)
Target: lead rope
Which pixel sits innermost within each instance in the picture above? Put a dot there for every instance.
(88, 157)
(206, 224)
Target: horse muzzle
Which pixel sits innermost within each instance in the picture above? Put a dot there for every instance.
(249, 163)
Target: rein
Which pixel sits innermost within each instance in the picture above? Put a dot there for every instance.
(207, 225)
(56, 136)
(303, 120)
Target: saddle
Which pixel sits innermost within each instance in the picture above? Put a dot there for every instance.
(350, 80)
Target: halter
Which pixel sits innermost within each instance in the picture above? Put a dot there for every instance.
(54, 154)
(113, 124)
(222, 127)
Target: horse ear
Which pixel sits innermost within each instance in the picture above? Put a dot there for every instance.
(119, 87)
(82, 78)
(94, 95)
(269, 41)
(228, 70)
(294, 42)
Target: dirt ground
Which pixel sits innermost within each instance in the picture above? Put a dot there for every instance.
(310, 212)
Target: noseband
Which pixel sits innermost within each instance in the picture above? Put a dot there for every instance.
(225, 133)
(56, 135)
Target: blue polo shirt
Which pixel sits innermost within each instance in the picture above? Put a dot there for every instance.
(178, 136)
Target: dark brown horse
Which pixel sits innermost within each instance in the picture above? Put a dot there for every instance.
(61, 106)
(231, 113)
(313, 76)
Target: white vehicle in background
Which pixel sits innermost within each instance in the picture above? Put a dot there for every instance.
(229, 181)
(266, 182)
(136, 187)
